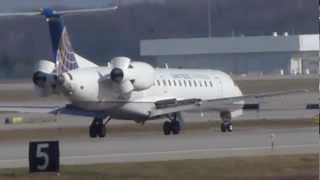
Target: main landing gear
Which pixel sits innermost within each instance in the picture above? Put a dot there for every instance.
(173, 126)
(98, 127)
(226, 125)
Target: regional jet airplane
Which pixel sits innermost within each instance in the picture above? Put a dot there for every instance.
(130, 90)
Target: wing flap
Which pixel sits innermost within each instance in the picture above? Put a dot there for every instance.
(75, 111)
(221, 104)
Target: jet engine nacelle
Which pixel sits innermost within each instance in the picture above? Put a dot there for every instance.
(131, 76)
(44, 79)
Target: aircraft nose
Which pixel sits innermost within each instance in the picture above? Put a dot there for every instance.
(238, 91)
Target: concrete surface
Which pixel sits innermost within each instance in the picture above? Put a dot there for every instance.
(151, 146)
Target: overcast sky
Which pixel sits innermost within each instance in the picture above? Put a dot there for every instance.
(20, 5)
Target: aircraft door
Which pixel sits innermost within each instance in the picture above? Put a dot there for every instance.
(218, 84)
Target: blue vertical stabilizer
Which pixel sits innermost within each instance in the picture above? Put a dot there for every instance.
(61, 45)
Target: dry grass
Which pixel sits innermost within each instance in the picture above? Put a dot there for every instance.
(269, 167)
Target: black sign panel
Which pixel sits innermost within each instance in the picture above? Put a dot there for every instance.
(44, 156)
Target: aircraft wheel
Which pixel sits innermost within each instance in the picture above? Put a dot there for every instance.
(93, 130)
(226, 125)
(223, 128)
(102, 130)
(166, 128)
(175, 127)
(229, 127)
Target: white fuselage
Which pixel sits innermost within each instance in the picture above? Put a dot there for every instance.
(90, 90)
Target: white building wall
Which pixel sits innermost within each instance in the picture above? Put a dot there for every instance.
(309, 43)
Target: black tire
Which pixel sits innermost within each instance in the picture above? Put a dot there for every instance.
(93, 131)
(223, 128)
(175, 127)
(166, 128)
(229, 127)
(102, 131)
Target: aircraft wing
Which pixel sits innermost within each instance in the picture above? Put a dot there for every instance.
(162, 107)
(221, 104)
(27, 109)
(55, 110)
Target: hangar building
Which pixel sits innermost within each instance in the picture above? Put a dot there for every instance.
(287, 54)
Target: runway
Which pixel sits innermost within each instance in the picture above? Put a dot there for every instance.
(152, 146)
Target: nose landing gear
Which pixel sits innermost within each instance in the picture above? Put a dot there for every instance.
(226, 125)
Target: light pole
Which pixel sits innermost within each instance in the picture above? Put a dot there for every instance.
(319, 42)
(209, 19)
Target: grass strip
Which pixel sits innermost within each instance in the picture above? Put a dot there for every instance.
(263, 167)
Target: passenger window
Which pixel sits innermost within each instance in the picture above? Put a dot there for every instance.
(169, 82)
(190, 83)
(174, 83)
(164, 82)
(210, 82)
(185, 83)
(195, 83)
(205, 83)
(159, 83)
(200, 83)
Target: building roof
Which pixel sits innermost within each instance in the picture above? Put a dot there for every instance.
(226, 45)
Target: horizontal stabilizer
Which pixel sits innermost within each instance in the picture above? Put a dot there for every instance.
(222, 104)
(49, 13)
(75, 111)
